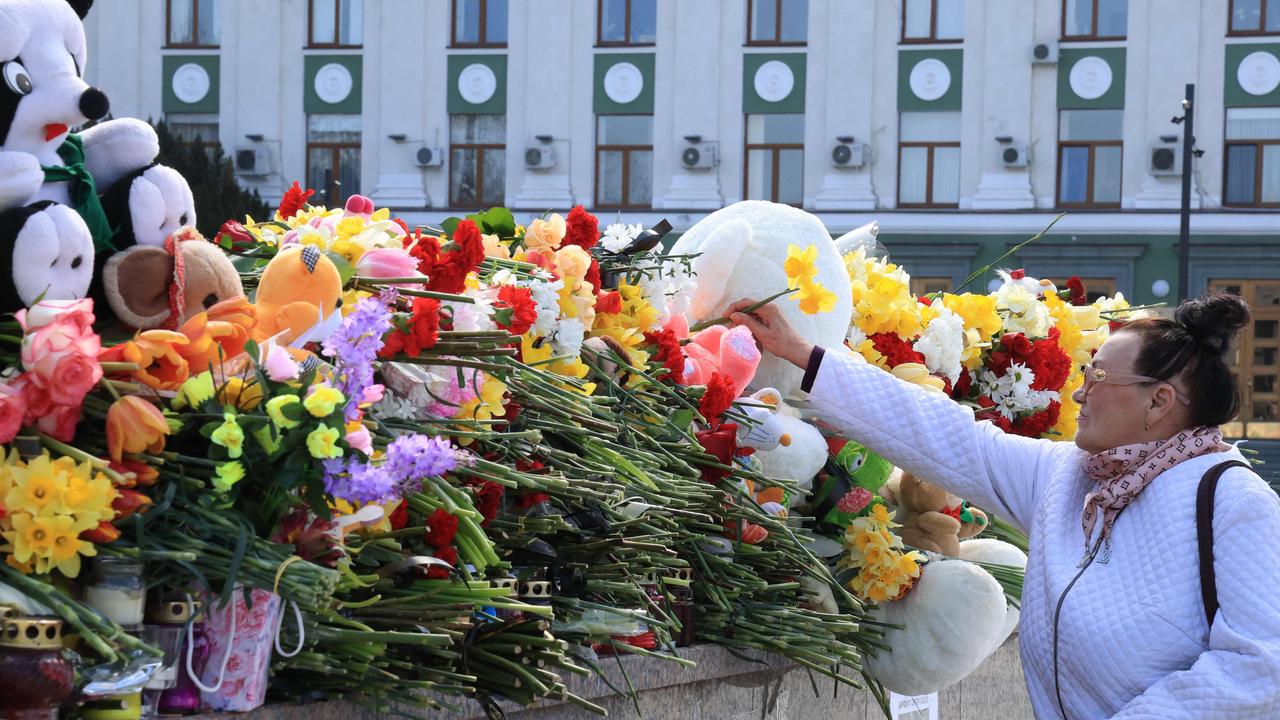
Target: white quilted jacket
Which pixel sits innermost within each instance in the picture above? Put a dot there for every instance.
(1132, 641)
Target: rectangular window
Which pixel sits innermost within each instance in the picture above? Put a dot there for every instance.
(624, 161)
(1255, 359)
(1255, 17)
(194, 129)
(921, 286)
(191, 23)
(626, 22)
(1089, 156)
(932, 21)
(777, 22)
(479, 23)
(335, 23)
(333, 157)
(774, 167)
(1095, 19)
(1252, 168)
(929, 159)
(477, 160)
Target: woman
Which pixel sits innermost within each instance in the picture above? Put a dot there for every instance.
(1113, 624)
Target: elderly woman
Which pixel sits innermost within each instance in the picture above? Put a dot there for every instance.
(1114, 621)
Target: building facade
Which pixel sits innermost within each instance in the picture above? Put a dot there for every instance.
(961, 126)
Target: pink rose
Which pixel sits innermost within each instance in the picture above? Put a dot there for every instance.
(46, 312)
(13, 408)
(44, 347)
(35, 398)
(60, 424)
(73, 377)
(277, 363)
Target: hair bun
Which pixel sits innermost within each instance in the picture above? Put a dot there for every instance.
(1213, 319)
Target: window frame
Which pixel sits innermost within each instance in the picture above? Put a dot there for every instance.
(1262, 30)
(1244, 425)
(483, 28)
(777, 40)
(1089, 203)
(626, 151)
(195, 43)
(1093, 25)
(326, 195)
(629, 42)
(1257, 172)
(776, 148)
(928, 204)
(478, 149)
(337, 43)
(933, 38)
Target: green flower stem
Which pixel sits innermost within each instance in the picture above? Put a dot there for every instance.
(747, 310)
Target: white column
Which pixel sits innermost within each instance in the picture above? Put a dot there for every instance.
(397, 82)
(128, 34)
(538, 65)
(1160, 63)
(997, 80)
(1210, 119)
(841, 80)
(691, 90)
(1043, 140)
(882, 100)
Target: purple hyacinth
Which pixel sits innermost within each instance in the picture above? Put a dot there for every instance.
(358, 481)
(354, 347)
(410, 458)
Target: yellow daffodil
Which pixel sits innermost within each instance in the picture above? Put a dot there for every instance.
(229, 435)
(196, 390)
(227, 475)
(49, 543)
(37, 488)
(981, 324)
(800, 265)
(322, 443)
(322, 400)
(815, 298)
(276, 411)
(88, 495)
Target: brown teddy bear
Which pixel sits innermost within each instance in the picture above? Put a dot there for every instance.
(931, 518)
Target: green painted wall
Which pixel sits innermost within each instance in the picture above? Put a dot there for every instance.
(950, 100)
(643, 104)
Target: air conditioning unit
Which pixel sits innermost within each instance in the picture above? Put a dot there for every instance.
(1166, 158)
(850, 155)
(698, 155)
(1014, 156)
(252, 160)
(430, 157)
(539, 157)
(1044, 53)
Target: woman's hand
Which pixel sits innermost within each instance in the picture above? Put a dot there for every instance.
(772, 331)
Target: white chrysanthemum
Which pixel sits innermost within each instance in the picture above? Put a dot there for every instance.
(619, 235)
(1022, 311)
(568, 338)
(942, 343)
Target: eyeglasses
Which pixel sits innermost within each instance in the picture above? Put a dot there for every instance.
(1094, 375)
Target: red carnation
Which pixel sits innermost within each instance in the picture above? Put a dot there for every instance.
(400, 516)
(488, 501)
(721, 443)
(294, 200)
(1050, 365)
(581, 229)
(441, 527)
(422, 333)
(468, 244)
(593, 275)
(447, 554)
(1078, 295)
(718, 397)
(895, 350)
(1038, 423)
(516, 311)
(528, 500)
(1017, 345)
(963, 384)
(609, 303)
(1018, 274)
(236, 234)
(669, 352)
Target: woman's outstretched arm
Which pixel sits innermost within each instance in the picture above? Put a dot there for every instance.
(922, 431)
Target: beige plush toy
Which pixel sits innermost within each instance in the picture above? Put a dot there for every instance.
(931, 518)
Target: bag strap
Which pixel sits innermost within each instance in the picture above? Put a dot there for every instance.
(1204, 534)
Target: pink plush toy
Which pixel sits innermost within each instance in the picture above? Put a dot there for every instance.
(718, 349)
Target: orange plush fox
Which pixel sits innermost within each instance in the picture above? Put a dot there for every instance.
(299, 298)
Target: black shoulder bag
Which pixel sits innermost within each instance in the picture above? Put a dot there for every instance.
(1204, 534)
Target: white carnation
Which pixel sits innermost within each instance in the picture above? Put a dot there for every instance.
(568, 338)
(942, 343)
(546, 295)
(855, 337)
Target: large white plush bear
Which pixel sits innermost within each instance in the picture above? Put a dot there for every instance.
(742, 251)
(46, 247)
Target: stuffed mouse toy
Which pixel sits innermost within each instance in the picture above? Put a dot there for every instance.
(51, 219)
(161, 287)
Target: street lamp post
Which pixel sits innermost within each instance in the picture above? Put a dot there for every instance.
(1184, 224)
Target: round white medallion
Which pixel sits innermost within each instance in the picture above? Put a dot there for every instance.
(623, 83)
(1090, 77)
(1259, 73)
(477, 83)
(774, 81)
(190, 83)
(930, 79)
(333, 83)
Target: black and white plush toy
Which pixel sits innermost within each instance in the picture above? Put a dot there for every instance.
(51, 218)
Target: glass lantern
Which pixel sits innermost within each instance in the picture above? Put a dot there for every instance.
(166, 629)
(35, 677)
(116, 590)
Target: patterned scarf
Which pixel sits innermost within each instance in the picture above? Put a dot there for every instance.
(1123, 472)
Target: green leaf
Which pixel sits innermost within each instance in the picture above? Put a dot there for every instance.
(346, 270)
(449, 225)
(682, 418)
(499, 221)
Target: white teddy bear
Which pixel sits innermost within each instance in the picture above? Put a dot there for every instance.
(742, 251)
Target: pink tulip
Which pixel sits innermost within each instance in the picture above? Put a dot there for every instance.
(387, 263)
